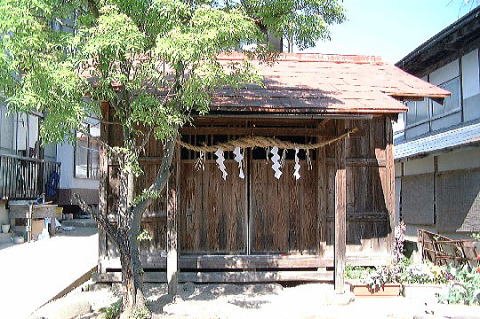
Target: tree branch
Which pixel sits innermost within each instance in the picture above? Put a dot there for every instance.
(92, 5)
(98, 217)
(160, 180)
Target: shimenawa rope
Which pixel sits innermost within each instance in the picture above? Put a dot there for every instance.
(260, 141)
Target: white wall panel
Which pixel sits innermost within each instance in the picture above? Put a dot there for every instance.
(459, 160)
(65, 154)
(419, 166)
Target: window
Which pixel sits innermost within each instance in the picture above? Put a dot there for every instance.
(417, 112)
(19, 133)
(7, 122)
(50, 152)
(86, 153)
(451, 103)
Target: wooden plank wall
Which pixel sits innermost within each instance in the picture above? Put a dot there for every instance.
(212, 215)
(284, 211)
(260, 215)
(369, 198)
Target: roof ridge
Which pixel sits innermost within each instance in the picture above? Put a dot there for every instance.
(314, 57)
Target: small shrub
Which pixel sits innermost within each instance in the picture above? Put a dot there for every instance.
(463, 289)
(141, 313)
(355, 272)
(398, 249)
(418, 274)
(113, 311)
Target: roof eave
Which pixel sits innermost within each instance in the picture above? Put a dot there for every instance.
(407, 63)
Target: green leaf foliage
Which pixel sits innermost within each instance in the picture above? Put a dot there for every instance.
(464, 288)
(155, 61)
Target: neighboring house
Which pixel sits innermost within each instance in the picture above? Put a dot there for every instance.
(27, 168)
(437, 146)
(79, 170)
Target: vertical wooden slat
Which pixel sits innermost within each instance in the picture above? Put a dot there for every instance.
(248, 202)
(322, 184)
(172, 226)
(340, 209)
(390, 167)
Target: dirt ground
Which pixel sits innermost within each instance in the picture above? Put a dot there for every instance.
(254, 301)
(33, 273)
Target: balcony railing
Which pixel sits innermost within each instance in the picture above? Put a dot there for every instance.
(28, 178)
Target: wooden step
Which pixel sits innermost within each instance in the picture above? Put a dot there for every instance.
(225, 277)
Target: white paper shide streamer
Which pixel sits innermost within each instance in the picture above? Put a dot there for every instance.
(276, 164)
(296, 168)
(239, 159)
(220, 162)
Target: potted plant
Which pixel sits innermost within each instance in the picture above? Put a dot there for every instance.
(382, 282)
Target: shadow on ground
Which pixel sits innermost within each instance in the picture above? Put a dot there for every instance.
(78, 232)
(246, 296)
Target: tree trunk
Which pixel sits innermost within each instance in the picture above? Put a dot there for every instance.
(129, 229)
(133, 296)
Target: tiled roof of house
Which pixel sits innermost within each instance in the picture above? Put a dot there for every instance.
(332, 84)
(449, 139)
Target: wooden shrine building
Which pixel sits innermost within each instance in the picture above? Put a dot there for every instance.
(339, 210)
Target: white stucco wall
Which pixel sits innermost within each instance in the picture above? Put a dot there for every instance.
(419, 166)
(459, 160)
(65, 155)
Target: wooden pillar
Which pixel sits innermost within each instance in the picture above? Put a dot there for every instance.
(172, 226)
(340, 209)
(322, 194)
(390, 191)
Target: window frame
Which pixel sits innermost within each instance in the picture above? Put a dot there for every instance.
(89, 168)
(427, 120)
(430, 105)
(455, 110)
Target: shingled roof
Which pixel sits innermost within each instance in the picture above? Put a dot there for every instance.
(331, 84)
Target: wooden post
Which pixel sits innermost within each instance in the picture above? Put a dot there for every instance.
(390, 191)
(340, 209)
(172, 227)
(322, 195)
